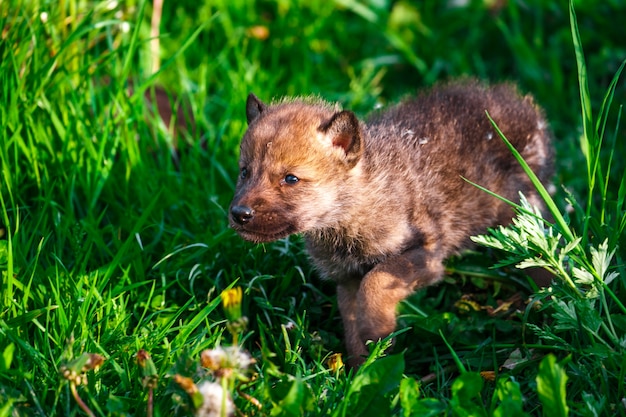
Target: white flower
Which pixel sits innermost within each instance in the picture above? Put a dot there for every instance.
(215, 399)
(231, 357)
(239, 358)
(213, 359)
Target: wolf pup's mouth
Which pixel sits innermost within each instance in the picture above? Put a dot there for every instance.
(263, 236)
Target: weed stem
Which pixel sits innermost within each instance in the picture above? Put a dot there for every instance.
(150, 407)
(80, 401)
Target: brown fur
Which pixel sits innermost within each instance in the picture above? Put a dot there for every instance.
(382, 204)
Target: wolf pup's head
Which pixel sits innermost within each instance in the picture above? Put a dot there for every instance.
(295, 158)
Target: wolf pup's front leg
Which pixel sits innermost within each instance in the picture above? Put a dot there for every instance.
(368, 308)
(347, 293)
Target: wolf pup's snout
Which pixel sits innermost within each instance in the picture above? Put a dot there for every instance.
(322, 172)
(242, 214)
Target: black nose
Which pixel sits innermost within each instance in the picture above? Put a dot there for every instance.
(242, 214)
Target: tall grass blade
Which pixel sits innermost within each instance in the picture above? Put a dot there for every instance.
(602, 121)
(543, 192)
(589, 141)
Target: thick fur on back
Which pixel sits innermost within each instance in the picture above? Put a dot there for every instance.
(411, 186)
(383, 202)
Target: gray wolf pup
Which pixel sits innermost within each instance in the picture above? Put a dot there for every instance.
(382, 203)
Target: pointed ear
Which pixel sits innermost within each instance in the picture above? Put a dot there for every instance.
(254, 107)
(344, 132)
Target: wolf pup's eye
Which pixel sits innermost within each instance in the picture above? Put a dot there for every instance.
(291, 179)
(244, 173)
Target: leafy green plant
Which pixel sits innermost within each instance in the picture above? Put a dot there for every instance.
(551, 382)
(583, 300)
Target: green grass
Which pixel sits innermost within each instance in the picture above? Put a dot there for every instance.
(110, 246)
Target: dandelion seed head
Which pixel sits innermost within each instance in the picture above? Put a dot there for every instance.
(222, 359)
(239, 358)
(213, 359)
(214, 397)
